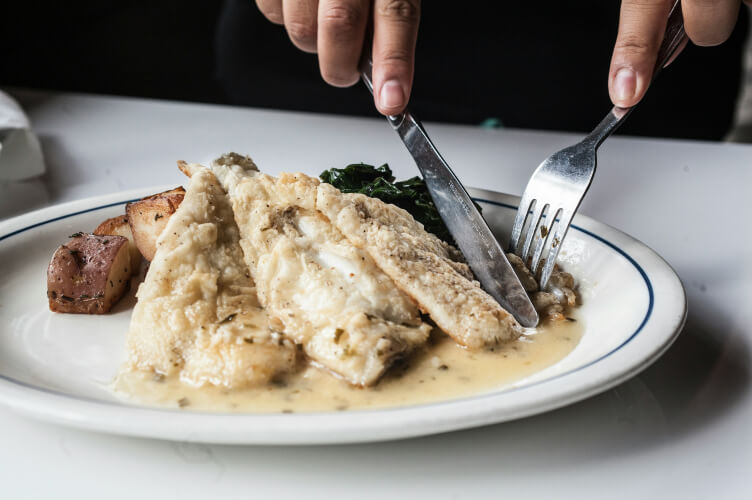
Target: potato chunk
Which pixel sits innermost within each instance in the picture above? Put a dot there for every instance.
(148, 217)
(88, 274)
(119, 226)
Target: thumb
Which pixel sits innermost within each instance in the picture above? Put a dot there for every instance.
(641, 28)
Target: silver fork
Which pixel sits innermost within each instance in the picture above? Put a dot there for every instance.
(557, 187)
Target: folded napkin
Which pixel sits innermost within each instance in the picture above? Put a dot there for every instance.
(20, 153)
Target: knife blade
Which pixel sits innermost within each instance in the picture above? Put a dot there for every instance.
(467, 226)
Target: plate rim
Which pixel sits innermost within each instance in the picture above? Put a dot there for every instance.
(305, 428)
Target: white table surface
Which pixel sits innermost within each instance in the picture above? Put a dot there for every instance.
(682, 429)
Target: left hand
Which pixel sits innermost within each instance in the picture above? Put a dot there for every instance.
(641, 28)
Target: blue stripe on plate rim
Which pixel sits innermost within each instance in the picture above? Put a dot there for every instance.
(629, 258)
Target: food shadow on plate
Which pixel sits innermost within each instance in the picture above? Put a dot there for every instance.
(128, 301)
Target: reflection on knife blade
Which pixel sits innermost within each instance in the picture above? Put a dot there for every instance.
(489, 248)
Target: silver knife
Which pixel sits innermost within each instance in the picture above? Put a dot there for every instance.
(465, 223)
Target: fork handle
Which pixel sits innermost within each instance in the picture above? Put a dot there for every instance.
(673, 38)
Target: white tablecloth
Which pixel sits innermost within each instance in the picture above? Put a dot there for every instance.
(682, 429)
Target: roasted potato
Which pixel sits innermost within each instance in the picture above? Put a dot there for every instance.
(118, 226)
(88, 274)
(148, 217)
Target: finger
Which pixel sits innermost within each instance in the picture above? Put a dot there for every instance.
(300, 22)
(342, 27)
(641, 28)
(271, 9)
(709, 22)
(395, 31)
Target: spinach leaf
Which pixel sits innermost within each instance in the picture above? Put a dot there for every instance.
(356, 175)
(378, 182)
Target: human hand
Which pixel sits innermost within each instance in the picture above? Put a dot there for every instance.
(336, 30)
(641, 29)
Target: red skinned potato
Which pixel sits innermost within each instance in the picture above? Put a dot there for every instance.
(148, 217)
(89, 274)
(119, 226)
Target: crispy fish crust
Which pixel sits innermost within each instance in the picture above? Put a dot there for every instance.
(198, 314)
(320, 289)
(421, 265)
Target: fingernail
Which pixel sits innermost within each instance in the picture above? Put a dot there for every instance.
(625, 84)
(391, 95)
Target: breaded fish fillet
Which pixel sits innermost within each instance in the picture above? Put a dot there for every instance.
(198, 313)
(421, 265)
(320, 289)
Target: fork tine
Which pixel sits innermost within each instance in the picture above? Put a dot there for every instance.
(538, 237)
(519, 223)
(532, 230)
(565, 219)
(544, 242)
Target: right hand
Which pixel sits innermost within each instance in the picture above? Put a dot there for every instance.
(336, 30)
(642, 25)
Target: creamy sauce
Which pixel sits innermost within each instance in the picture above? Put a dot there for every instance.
(441, 370)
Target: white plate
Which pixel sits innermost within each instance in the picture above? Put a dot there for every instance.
(56, 367)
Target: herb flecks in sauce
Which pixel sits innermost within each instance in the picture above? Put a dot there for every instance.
(227, 319)
(315, 390)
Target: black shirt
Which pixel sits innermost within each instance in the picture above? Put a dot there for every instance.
(541, 65)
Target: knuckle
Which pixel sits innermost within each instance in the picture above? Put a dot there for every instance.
(343, 20)
(395, 56)
(407, 11)
(634, 45)
(301, 32)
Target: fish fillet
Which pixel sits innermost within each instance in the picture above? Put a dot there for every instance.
(421, 265)
(320, 289)
(198, 314)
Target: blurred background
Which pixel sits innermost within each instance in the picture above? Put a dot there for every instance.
(540, 65)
